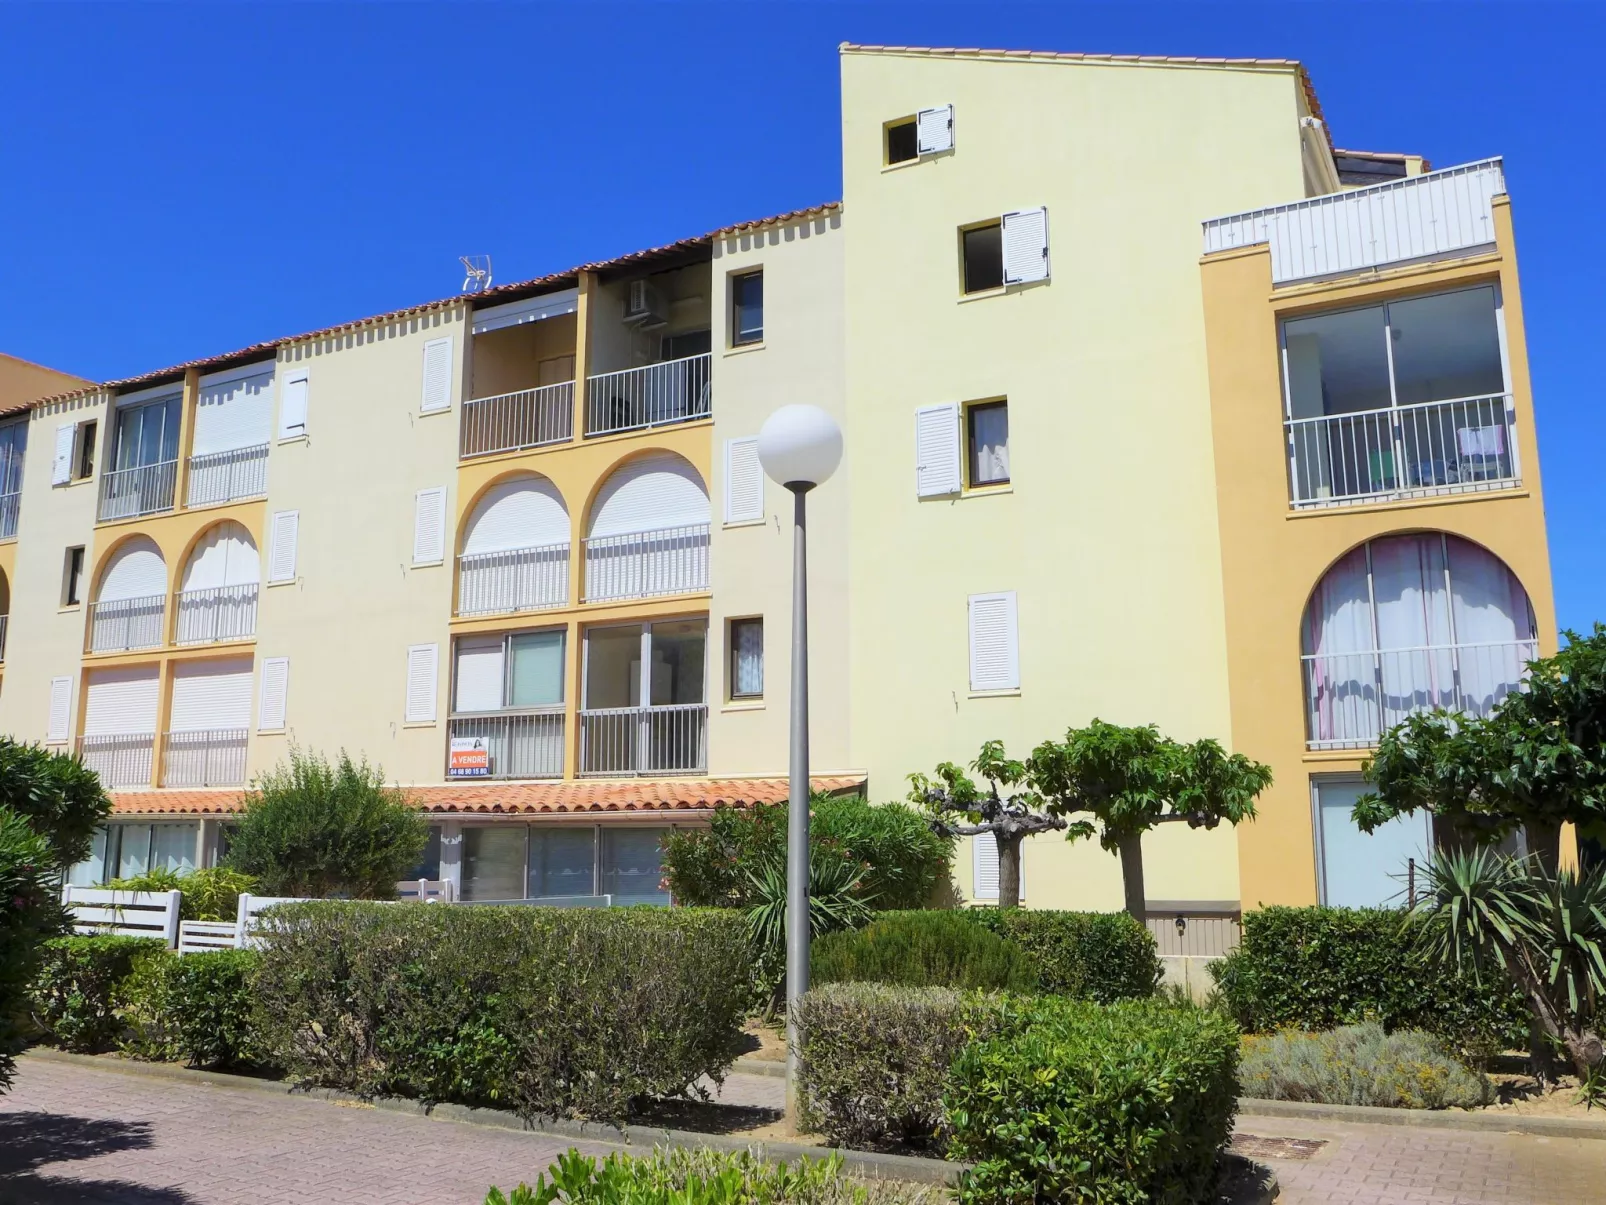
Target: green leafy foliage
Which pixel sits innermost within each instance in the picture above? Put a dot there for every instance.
(193, 1009)
(59, 798)
(29, 914)
(1073, 1101)
(312, 828)
(834, 904)
(577, 1012)
(74, 994)
(1360, 1065)
(923, 949)
(212, 893)
(1102, 956)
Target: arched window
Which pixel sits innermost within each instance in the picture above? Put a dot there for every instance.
(218, 594)
(1409, 623)
(128, 607)
(515, 549)
(648, 532)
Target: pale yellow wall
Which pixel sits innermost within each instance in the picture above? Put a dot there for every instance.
(800, 360)
(1109, 532)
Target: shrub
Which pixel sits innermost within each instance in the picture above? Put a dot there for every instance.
(1359, 1065)
(541, 1010)
(29, 913)
(873, 1059)
(74, 994)
(1103, 956)
(314, 829)
(1074, 1101)
(212, 893)
(1319, 968)
(193, 1009)
(59, 797)
(922, 949)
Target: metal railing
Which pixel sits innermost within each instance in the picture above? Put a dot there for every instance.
(514, 579)
(118, 625)
(527, 418)
(644, 740)
(212, 757)
(145, 489)
(526, 743)
(641, 564)
(676, 391)
(1429, 448)
(9, 506)
(123, 760)
(1351, 699)
(216, 613)
(5, 623)
(227, 476)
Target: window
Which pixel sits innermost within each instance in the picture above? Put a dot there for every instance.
(429, 863)
(558, 862)
(13, 444)
(928, 132)
(631, 865)
(903, 143)
(1363, 870)
(146, 434)
(747, 308)
(72, 577)
(983, 249)
(84, 457)
(518, 670)
(747, 659)
(987, 440)
(122, 851)
(645, 707)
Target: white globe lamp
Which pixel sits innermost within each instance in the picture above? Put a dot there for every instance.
(799, 446)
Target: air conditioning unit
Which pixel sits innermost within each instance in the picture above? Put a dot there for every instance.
(645, 306)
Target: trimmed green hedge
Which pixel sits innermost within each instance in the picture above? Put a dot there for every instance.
(30, 913)
(922, 949)
(1102, 956)
(540, 1010)
(74, 995)
(193, 1009)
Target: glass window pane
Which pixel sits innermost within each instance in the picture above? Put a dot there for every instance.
(493, 862)
(134, 851)
(678, 661)
(747, 658)
(989, 444)
(562, 862)
(1361, 870)
(173, 847)
(984, 258)
(92, 871)
(1446, 346)
(1337, 363)
(537, 671)
(429, 864)
(632, 871)
(749, 308)
(613, 667)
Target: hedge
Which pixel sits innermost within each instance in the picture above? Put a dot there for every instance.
(922, 949)
(194, 1008)
(29, 915)
(1102, 956)
(1360, 1065)
(540, 1010)
(74, 995)
(1320, 968)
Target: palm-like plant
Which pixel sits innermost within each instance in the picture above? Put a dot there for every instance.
(834, 899)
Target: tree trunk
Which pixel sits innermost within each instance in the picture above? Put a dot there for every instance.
(1137, 904)
(1009, 869)
(1545, 841)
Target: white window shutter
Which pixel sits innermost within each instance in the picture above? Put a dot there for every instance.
(275, 692)
(744, 482)
(282, 558)
(429, 526)
(293, 404)
(422, 665)
(1025, 246)
(61, 469)
(984, 866)
(937, 451)
(437, 375)
(934, 130)
(60, 709)
(994, 642)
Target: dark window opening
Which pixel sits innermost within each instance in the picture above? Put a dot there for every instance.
(747, 308)
(903, 143)
(74, 577)
(86, 451)
(984, 258)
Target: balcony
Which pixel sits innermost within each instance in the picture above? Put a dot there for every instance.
(528, 418)
(657, 395)
(644, 564)
(142, 490)
(8, 515)
(122, 760)
(514, 579)
(629, 741)
(207, 758)
(1438, 215)
(219, 477)
(122, 625)
(216, 614)
(524, 743)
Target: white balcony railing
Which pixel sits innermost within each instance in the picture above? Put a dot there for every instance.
(119, 625)
(123, 760)
(676, 391)
(514, 579)
(216, 613)
(1441, 213)
(527, 418)
(1431, 448)
(1353, 698)
(527, 743)
(146, 489)
(641, 564)
(213, 757)
(227, 476)
(5, 622)
(626, 741)
(9, 507)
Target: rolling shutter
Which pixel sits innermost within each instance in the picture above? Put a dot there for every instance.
(234, 413)
(994, 643)
(282, 556)
(480, 673)
(121, 702)
(437, 375)
(937, 451)
(744, 482)
(61, 468)
(422, 663)
(1025, 246)
(429, 526)
(136, 571)
(225, 556)
(275, 691)
(293, 405)
(984, 867)
(526, 512)
(211, 695)
(648, 494)
(934, 130)
(60, 709)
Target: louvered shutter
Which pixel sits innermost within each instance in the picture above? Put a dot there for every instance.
(937, 451)
(437, 375)
(60, 709)
(429, 526)
(984, 867)
(1025, 246)
(293, 404)
(282, 557)
(994, 651)
(934, 130)
(422, 662)
(744, 482)
(61, 469)
(274, 692)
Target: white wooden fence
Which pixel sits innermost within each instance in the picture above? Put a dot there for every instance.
(199, 936)
(124, 913)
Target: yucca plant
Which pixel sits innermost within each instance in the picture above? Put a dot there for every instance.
(836, 901)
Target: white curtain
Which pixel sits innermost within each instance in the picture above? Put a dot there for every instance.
(1340, 665)
(1494, 626)
(747, 667)
(1413, 625)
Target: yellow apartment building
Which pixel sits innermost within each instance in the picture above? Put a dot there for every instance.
(1158, 408)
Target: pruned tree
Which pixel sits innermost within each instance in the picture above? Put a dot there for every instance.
(958, 808)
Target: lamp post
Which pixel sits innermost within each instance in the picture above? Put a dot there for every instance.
(799, 447)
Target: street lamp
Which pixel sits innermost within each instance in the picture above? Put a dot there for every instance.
(799, 447)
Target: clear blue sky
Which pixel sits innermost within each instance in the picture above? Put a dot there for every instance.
(180, 180)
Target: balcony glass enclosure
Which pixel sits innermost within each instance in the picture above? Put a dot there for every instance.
(563, 863)
(645, 707)
(144, 460)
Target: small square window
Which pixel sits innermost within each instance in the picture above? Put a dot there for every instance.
(987, 443)
(983, 248)
(72, 577)
(747, 308)
(84, 460)
(747, 659)
(903, 141)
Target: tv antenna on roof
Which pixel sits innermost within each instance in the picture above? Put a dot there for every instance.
(476, 273)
